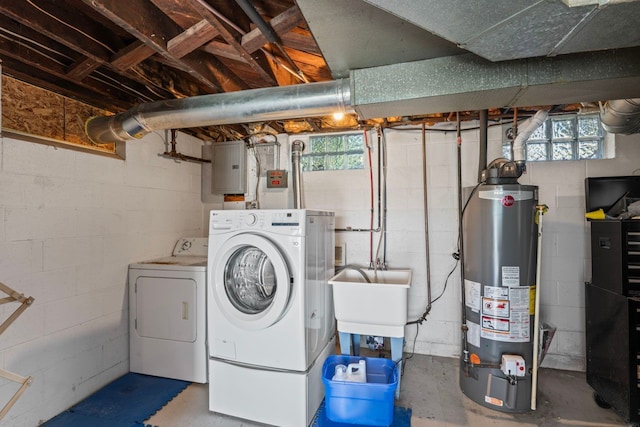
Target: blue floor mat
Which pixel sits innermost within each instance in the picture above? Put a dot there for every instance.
(401, 418)
(126, 402)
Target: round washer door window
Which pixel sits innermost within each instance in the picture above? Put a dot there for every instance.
(251, 281)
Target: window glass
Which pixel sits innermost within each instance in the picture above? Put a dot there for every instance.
(588, 150)
(564, 137)
(536, 152)
(562, 129)
(334, 152)
(562, 151)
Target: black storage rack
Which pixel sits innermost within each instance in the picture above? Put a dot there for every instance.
(612, 299)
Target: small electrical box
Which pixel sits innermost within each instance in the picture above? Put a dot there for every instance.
(513, 365)
(277, 179)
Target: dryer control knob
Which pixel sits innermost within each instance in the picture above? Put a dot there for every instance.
(252, 219)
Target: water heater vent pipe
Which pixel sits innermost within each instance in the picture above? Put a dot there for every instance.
(526, 129)
(297, 147)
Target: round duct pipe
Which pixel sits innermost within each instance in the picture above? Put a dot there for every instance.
(246, 106)
(621, 116)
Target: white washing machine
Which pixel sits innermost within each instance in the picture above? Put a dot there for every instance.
(168, 313)
(271, 321)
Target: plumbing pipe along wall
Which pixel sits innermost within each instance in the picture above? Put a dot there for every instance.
(482, 158)
(297, 147)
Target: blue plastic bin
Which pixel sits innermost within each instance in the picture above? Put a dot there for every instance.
(369, 403)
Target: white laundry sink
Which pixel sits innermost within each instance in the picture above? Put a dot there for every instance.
(376, 308)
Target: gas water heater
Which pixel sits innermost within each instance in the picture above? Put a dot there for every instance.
(500, 236)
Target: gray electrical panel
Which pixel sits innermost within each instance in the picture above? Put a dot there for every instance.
(228, 168)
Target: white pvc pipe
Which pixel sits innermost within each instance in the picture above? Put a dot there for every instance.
(527, 129)
(536, 317)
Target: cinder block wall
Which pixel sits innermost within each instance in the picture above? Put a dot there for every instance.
(70, 223)
(566, 253)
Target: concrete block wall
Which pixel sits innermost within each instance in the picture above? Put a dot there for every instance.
(72, 222)
(566, 254)
(70, 225)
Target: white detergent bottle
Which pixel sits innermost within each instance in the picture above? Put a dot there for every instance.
(357, 372)
(340, 373)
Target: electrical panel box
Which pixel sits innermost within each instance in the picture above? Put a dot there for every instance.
(229, 168)
(277, 179)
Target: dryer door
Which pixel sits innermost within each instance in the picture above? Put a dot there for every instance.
(251, 281)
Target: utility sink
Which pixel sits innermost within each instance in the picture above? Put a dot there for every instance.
(376, 308)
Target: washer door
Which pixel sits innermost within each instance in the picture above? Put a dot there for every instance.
(251, 281)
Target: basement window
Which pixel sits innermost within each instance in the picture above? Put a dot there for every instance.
(562, 137)
(335, 151)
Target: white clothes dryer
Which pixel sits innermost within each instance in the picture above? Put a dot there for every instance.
(271, 321)
(167, 314)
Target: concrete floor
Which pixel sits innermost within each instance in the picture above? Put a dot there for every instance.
(430, 388)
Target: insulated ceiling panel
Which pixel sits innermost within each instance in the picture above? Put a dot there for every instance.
(501, 30)
(354, 34)
(615, 26)
(455, 20)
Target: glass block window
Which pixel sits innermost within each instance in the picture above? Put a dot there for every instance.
(334, 152)
(565, 137)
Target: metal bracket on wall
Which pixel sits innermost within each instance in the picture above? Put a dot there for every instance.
(24, 382)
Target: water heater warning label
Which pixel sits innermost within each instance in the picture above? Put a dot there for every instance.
(510, 276)
(506, 313)
(472, 295)
(496, 308)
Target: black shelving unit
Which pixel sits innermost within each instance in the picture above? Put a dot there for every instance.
(612, 300)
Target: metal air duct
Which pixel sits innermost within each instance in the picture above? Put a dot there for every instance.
(297, 147)
(255, 105)
(621, 116)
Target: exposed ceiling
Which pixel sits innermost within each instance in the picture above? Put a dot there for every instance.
(416, 59)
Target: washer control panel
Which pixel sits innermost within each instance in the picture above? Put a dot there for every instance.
(276, 220)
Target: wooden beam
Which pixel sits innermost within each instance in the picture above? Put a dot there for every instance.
(281, 24)
(276, 126)
(150, 25)
(131, 55)
(82, 68)
(38, 35)
(224, 50)
(230, 38)
(109, 101)
(83, 39)
(191, 39)
(36, 61)
(312, 123)
(301, 42)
